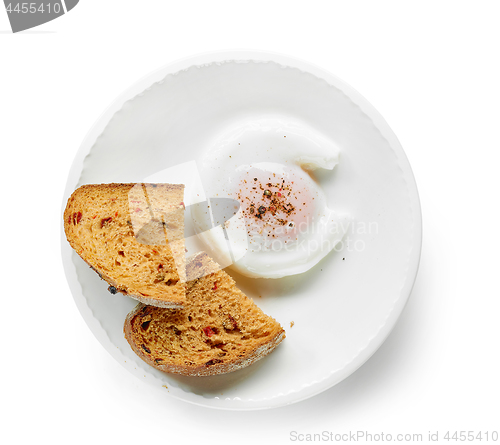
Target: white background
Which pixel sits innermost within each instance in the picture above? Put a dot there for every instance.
(432, 69)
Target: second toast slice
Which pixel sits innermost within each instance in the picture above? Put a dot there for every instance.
(219, 330)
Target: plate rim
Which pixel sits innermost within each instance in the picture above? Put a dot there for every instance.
(258, 56)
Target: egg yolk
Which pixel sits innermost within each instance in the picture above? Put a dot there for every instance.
(277, 204)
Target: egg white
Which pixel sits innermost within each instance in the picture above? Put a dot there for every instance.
(255, 246)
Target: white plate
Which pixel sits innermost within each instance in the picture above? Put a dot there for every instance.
(345, 307)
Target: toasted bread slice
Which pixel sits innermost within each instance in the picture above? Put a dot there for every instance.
(132, 235)
(219, 330)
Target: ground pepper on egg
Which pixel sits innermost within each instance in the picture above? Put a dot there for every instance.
(277, 202)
